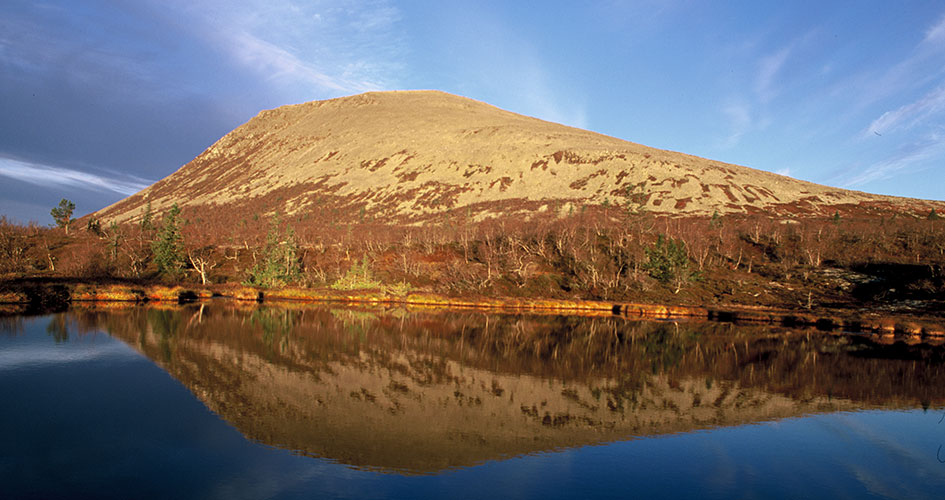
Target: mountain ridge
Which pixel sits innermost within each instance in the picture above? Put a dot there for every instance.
(405, 157)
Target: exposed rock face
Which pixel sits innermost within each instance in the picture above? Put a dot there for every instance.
(408, 156)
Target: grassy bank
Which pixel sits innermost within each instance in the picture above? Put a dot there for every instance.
(52, 295)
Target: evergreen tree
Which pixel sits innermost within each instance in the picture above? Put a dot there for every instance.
(636, 198)
(146, 223)
(168, 246)
(279, 264)
(94, 226)
(62, 214)
(667, 262)
(716, 220)
(114, 240)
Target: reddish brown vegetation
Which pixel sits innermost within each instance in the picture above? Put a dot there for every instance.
(593, 253)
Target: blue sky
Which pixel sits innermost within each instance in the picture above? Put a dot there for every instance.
(100, 98)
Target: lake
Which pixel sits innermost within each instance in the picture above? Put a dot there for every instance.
(229, 400)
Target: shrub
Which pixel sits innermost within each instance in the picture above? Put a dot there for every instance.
(399, 289)
(280, 263)
(668, 263)
(359, 277)
(94, 226)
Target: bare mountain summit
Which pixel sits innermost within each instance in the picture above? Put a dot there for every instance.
(410, 156)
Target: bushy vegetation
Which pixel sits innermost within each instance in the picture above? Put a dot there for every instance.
(279, 264)
(588, 252)
(359, 277)
(168, 247)
(668, 262)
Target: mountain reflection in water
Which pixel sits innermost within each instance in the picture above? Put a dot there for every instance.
(423, 391)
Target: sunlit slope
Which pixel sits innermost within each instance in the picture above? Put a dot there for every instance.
(410, 155)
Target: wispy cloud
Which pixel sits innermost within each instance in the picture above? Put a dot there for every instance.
(739, 118)
(917, 68)
(910, 114)
(915, 127)
(33, 47)
(936, 34)
(279, 64)
(46, 358)
(768, 70)
(765, 77)
(537, 92)
(334, 46)
(920, 68)
(907, 158)
(45, 175)
(493, 60)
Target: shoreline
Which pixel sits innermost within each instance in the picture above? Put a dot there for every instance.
(53, 297)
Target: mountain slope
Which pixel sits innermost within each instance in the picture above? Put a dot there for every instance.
(407, 156)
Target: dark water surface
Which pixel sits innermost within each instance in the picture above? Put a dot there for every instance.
(221, 401)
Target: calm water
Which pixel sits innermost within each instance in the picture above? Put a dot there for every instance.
(219, 401)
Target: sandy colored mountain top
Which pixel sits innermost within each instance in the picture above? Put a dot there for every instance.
(410, 155)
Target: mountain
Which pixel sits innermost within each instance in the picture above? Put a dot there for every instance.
(410, 156)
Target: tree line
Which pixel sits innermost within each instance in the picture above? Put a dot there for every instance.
(601, 252)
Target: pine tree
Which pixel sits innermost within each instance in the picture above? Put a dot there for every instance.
(146, 223)
(168, 246)
(62, 214)
(716, 220)
(114, 240)
(279, 264)
(668, 262)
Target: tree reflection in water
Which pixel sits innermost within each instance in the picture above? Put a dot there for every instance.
(426, 390)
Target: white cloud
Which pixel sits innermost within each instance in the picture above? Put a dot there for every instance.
(909, 157)
(764, 76)
(492, 60)
(920, 67)
(307, 49)
(536, 92)
(936, 33)
(36, 357)
(36, 48)
(45, 175)
(740, 122)
(768, 70)
(278, 63)
(910, 114)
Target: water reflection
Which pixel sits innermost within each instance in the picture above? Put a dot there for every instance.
(423, 391)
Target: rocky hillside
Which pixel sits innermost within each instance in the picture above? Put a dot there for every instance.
(405, 157)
